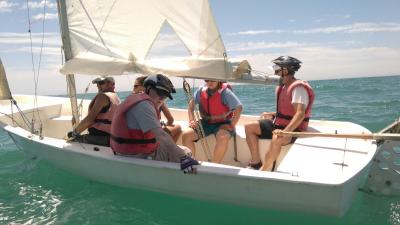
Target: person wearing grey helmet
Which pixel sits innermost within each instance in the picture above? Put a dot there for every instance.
(99, 118)
(294, 102)
(136, 130)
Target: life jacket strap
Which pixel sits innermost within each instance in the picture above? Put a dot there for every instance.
(102, 121)
(120, 140)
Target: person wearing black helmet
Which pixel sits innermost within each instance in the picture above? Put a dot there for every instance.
(294, 102)
(136, 130)
(172, 129)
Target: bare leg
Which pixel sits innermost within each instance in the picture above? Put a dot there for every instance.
(188, 138)
(274, 151)
(252, 131)
(222, 139)
(175, 131)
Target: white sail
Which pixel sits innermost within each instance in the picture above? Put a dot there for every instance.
(4, 88)
(114, 37)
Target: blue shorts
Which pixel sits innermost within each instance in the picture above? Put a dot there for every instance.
(213, 128)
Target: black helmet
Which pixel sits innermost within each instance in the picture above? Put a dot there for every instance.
(161, 83)
(288, 62)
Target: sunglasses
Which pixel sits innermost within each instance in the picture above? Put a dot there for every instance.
(137, 85)
(163, 95)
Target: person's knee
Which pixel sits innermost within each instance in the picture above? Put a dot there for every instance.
(278, 140)
(178, 128)
(250, 128)
(223, 136)
(188, 135)
(175, 130)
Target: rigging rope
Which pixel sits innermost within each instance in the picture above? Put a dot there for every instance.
(35, 74)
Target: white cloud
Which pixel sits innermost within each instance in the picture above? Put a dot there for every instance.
(53, 51)
(49, 16)
(8, 39)
(354, 28)
(7, 6)
(350, 28)
(256, 32)
(249, 46)
(39, 4)
(347, 16)
(321, 62)
(319, 20)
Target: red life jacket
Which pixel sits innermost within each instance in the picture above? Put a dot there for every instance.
(131, 141)
(285, 111)
(212, 108)
(103, 120)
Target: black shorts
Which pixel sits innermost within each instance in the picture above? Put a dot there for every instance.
(266, 126)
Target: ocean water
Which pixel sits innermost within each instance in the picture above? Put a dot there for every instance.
(35, 192)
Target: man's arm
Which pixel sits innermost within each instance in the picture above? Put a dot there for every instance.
(99, 103)
(236, 115)
(167, 114)
(298, 117)
(165, 139)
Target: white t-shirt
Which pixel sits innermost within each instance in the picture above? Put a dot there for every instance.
(299, 95)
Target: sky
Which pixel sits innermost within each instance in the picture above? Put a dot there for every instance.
(334, 39)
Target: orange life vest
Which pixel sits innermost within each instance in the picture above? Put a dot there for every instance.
(103, 120)
(285, 111)
(212, 108)
(131, 141)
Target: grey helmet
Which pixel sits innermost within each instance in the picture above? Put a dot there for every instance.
(160, 83)
(288, 62)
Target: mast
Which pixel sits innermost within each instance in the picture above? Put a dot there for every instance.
(63, 21)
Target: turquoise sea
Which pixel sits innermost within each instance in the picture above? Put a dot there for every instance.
(35, 192)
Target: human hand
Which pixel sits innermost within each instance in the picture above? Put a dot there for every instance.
(193, 124)
(228, 127)
(72, 135)
(188, 165)
(278, 132)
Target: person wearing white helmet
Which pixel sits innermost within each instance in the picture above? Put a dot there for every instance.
(136, 130)
(294, 102)
(99, 118)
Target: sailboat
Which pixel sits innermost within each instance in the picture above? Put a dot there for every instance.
(318, 174)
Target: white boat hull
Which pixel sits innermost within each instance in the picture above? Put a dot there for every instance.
(302, 184)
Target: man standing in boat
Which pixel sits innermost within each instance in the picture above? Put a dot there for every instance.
(100, 114)
(294, 103)
(136, 130)
(220, 111)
